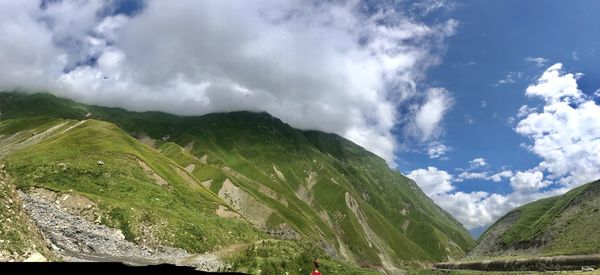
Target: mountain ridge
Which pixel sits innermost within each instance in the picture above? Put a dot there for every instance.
(315, 186)
(560, 225)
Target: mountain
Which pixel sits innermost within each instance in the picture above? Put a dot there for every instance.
(561, 225)
(246, 186)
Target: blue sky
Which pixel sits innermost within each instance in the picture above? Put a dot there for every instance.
(495, 41)
(485, 104)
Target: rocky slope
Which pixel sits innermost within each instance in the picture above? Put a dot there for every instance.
(562, 225)
(74, 237)
(20, 239)
(220, 180)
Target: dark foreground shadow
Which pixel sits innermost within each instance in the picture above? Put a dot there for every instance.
(94, 267)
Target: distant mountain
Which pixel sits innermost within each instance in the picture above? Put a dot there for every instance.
(224, 183)
(561, 225)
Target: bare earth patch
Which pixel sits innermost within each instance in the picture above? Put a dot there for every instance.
(145, 139)
(190, 168)
(253, 210)
(374, 239)
(157, 179)
(224, 212)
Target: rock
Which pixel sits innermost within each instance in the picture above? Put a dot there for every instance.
(36, 257)
(75, 238)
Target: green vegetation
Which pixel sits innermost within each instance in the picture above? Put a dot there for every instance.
(536, 217)
(279, 257)
(164, 173)
(124, 190)
(529, 215)
(561, 225)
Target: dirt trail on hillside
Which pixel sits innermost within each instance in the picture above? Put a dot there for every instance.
(21, 140)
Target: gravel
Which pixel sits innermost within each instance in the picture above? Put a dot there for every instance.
(77, 239)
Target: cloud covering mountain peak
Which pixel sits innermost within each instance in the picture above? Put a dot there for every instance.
(342, 67)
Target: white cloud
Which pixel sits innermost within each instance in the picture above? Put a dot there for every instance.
(327, 66)
(22, 35)
(427, 122)
(575, 55)
(539, 61)
(479, 208)
(432, 181)
(471, 175)
(528, 180)
(478, 162)
(483, 175)
(553, 85)
(428, 6)
(566, 132)
(437, 150)
(502, 174)
(525, 110)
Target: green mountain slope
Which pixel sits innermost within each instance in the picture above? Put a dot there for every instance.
(561, 225)
(245, 175)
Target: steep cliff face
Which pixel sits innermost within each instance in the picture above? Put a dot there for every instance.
(562, 225)
(218, 180)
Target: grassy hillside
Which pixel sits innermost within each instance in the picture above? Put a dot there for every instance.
(561, 225)
(285, 183)
(135, 187)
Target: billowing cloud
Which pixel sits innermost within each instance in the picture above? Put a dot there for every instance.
(481, 209)
(528, 180)
(566, 132)
(331, 66)
(478, 208)
(553, 85)
(432, 181)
